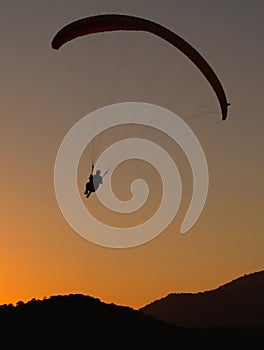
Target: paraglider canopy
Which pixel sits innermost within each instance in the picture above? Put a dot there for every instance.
(115, 22)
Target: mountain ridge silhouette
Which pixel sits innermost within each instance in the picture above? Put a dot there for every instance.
(77, 321)
(238, 303)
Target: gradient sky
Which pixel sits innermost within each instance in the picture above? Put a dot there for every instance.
(40, 255)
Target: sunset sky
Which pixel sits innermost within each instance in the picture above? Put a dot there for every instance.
(43, 93)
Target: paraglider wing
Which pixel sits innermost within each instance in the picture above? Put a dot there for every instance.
(113, 22)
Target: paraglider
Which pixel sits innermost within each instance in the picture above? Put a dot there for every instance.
(116, 22)
(95, 180)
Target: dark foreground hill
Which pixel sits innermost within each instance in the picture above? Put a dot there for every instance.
(77, 321)
(239, 303)
(81, 322)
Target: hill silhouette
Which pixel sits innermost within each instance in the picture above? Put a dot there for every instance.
(239, 303)
(77, 321)
(74, 321)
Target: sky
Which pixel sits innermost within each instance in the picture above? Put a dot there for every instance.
(42, 97)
